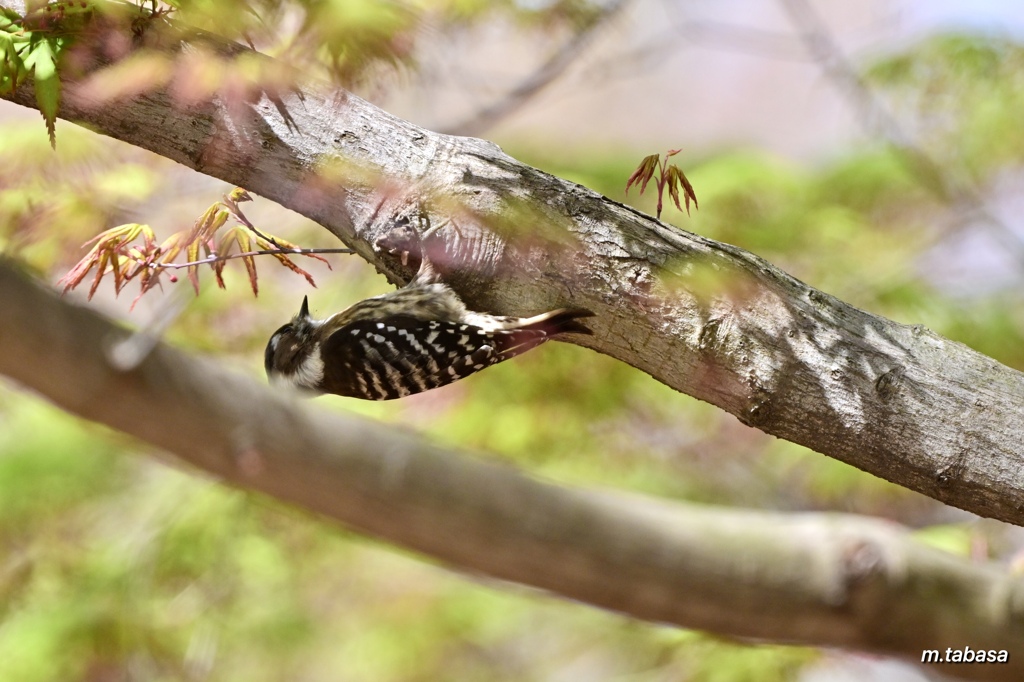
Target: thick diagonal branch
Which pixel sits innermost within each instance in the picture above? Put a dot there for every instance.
(827, 580)
(706, 318)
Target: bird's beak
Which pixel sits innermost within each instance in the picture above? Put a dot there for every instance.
(304, 310)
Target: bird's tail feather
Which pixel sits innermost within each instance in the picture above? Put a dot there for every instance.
(561, 321)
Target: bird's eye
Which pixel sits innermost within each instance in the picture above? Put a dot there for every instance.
(272, 346)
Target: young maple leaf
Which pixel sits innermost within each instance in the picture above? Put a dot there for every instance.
(113, 251)
(107, 249)
(675, 179)
(201, 237)
(643, 173)
(670, 177)
(241, 237)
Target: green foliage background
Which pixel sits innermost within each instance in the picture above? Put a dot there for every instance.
(120, 564)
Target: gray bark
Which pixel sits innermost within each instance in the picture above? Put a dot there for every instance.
(820, 579)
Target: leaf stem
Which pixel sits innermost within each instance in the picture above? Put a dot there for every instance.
(215, 258)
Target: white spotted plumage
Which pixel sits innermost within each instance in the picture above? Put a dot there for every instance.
(409, 341)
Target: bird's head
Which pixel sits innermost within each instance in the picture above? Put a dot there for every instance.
(292, 356)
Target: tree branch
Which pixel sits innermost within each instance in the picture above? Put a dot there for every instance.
(821, 579)
(705, 318)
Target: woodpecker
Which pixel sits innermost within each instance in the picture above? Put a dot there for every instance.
(407, 341)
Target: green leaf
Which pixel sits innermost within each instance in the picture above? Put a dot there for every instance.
(12, 68)
(9, 19)
(42, 60)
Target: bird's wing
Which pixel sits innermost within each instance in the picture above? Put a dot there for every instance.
(399, 355)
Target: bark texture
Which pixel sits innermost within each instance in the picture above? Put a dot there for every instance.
(820, 579)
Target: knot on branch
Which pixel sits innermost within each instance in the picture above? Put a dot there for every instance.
(888, 385)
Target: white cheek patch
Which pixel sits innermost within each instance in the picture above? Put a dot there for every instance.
(310, 371)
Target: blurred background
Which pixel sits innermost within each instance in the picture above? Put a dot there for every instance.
(873, 150)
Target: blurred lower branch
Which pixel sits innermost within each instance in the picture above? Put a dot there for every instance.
(821, 579)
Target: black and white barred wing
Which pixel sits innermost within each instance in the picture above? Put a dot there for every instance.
(397, 356)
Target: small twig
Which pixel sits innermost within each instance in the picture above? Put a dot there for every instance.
(551, 70)
(736, 38)
(267, 252)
